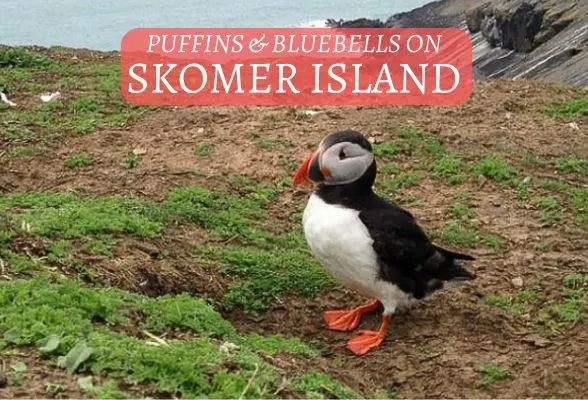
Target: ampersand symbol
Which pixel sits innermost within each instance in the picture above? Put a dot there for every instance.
(257, 45)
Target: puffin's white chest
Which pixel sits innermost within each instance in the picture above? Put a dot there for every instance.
(341, 242)
(343, 245)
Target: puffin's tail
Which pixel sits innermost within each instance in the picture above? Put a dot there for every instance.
(453, 254)
(449, 269)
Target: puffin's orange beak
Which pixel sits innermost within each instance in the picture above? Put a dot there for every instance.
(301, 176)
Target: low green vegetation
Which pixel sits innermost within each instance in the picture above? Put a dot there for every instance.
(266, 143)
(577, 107)
(569, 310)
(316, 385)
(93, 100)
(459, 210)
(204, 149)
(556, 311)
(466, 234)
(65, 215)
(572, 164)
(400, 181)
(262, 270)
(18, 135)
(548, 209)
(78, 161)
(266, 276)
(450, 167)
(24, 151)
(522, 187)
(19, 57)
(491, 373)
(516, 304)
(59, 317)
(493, 167)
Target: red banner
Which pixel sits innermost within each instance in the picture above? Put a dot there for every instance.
(296, 66)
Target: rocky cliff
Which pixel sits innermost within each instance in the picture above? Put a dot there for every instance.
(543, 39)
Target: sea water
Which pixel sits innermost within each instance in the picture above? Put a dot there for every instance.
(101, 25)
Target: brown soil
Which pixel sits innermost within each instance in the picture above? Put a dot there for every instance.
(35, 379)
(431, 349)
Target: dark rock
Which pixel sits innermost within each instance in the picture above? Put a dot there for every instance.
(355, 23)
(511, 29)
(518, 31)
(475, 17)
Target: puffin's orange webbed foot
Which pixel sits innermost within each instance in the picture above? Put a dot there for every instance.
(348, 320)
(365, 341)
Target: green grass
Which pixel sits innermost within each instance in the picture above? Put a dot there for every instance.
(401, 181)
(265, 143)
(107, 390)
(411, 139)
(548, 207)
(493, 167)
(576, 107)
(459, 210)
(464, 234)
(572, 164)
(317, 385)
(18, 135)
(491, 373)
(230, 216)
(433, 146)
(522, 188)
(570, 310)
(18, 263)
(239, 217)
(68, 216)
(98, 246)
(579, 200)
(259, 274)
(575, 196)
(458, 235)
(555, 185)
(516, 304)
(385, 150)
(77, 161)
(575, 281)
(29, 73)
(24, 151)
(450, 167)
(203, 150)
(19, 57)
(408, 141)
(264, 276)
(75, 326)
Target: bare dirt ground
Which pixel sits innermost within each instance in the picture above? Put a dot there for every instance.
(431, 350)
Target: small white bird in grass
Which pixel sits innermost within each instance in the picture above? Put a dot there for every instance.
(369, 245)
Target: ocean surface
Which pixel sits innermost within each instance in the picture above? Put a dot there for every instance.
(101, 24)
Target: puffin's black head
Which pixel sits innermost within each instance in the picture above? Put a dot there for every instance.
(342, 158)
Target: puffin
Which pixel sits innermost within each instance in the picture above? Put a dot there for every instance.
(366, 243)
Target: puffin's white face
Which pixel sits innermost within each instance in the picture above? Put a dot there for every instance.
(337, 163)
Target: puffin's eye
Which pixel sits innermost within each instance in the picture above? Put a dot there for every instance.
(342, 155)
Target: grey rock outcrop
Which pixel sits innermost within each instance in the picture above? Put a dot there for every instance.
(542, 39)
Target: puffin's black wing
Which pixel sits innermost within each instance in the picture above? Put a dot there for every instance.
(406, 255)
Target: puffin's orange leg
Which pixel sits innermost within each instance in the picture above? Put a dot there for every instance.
(364, 341)
(347, 320)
